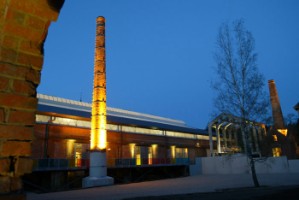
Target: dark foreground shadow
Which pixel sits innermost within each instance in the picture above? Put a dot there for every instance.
(261, 193)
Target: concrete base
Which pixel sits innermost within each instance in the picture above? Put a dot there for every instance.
(88, 182)
(97, 171)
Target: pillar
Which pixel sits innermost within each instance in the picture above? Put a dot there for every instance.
(211, 139)
(255, 139)
(98, 134)
(230, 138)
(218, 138)
(224, 135)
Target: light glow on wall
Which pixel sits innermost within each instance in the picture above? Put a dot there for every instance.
(276, 152)
(154, 150)
(70, 147)
(186, 153)
(283, 132)
(172, 151)
(132, 149)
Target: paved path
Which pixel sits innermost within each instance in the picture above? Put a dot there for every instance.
(191, 184)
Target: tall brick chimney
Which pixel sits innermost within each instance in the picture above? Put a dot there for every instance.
(97, 169)
(98, 118)
(276, 109)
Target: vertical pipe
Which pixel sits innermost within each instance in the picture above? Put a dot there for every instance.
(46, 140)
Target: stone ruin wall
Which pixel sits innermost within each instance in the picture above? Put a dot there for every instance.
(23, 29)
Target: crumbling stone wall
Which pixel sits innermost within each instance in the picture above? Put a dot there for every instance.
(23, 30)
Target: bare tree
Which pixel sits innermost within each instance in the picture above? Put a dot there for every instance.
(239, 86)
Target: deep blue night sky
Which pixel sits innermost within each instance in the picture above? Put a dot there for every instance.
(160, 52)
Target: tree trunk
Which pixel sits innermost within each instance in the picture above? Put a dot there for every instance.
(244, 140)
(253, 172)
(248, 152)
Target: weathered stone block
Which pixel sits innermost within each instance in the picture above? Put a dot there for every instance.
(4, 83)
(23, 28)
(31, 47)
(30, 60)
(2, 116)
(4, 184)
(9, 184)
(18, 101)
(8, 55)
(13, 71)
(35, 22)
(15, 132)
(24, 87)
(23, 166)
(33, 76)
(10, 42)
(4, 166)
(21, 117)
(23, 32)
(15, 148)
(15, 16)
(39, 8)
(2, 3)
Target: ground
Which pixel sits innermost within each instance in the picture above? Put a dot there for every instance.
(261, 193)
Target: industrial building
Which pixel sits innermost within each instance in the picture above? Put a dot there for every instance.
(62, 131)
(134, 140)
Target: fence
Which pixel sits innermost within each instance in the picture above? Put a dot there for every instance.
(77, 164)
(239, 164)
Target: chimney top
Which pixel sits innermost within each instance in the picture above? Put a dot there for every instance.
(100, 19)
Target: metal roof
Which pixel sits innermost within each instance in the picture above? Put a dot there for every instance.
(114, 115)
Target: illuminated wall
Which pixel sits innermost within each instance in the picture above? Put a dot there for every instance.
(98, 115)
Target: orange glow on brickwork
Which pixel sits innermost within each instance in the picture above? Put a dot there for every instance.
(98, 113)
(276, 152)
(132, 149)
(283, 131)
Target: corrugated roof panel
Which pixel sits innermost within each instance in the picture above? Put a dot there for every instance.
(114, 115)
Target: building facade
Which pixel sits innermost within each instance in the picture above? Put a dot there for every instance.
(62, 137)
